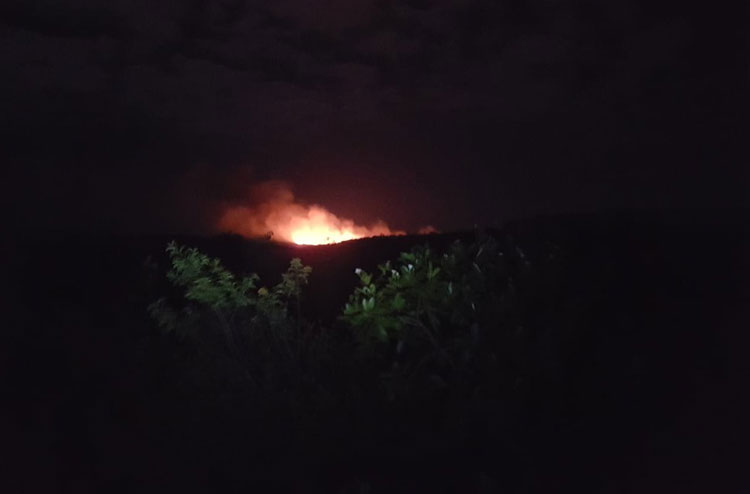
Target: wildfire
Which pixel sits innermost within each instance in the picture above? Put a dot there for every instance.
(286, 220)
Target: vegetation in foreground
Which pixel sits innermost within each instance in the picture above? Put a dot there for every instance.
(469, 362)
(425, 327)
(566, 361)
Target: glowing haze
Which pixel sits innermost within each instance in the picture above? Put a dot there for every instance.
(275, 212)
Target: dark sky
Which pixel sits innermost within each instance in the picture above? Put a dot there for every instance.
(149, 115)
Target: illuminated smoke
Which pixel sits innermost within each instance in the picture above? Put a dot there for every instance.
(278, 215)
(427, 230)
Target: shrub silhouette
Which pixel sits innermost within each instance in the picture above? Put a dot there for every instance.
(260, 339)
(480, 346)
(440, 321)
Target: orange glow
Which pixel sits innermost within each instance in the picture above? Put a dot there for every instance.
(286, 220)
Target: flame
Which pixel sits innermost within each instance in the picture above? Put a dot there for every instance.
(282, 218)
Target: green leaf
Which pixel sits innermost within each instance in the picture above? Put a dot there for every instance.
(381, 333)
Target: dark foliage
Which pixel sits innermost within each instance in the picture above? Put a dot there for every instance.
(557, 355)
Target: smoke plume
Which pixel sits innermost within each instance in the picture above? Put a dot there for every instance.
(276, 214)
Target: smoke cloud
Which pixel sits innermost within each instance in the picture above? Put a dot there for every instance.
(275, 213)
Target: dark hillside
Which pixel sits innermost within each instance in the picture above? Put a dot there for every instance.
(633, 361)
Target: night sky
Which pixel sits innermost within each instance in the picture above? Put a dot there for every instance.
(153, 116)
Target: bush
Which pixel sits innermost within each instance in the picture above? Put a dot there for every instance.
(440, 320)
(429, 318)
(433, 342)
(258, 335)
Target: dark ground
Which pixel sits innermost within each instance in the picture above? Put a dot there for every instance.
(88, 407)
